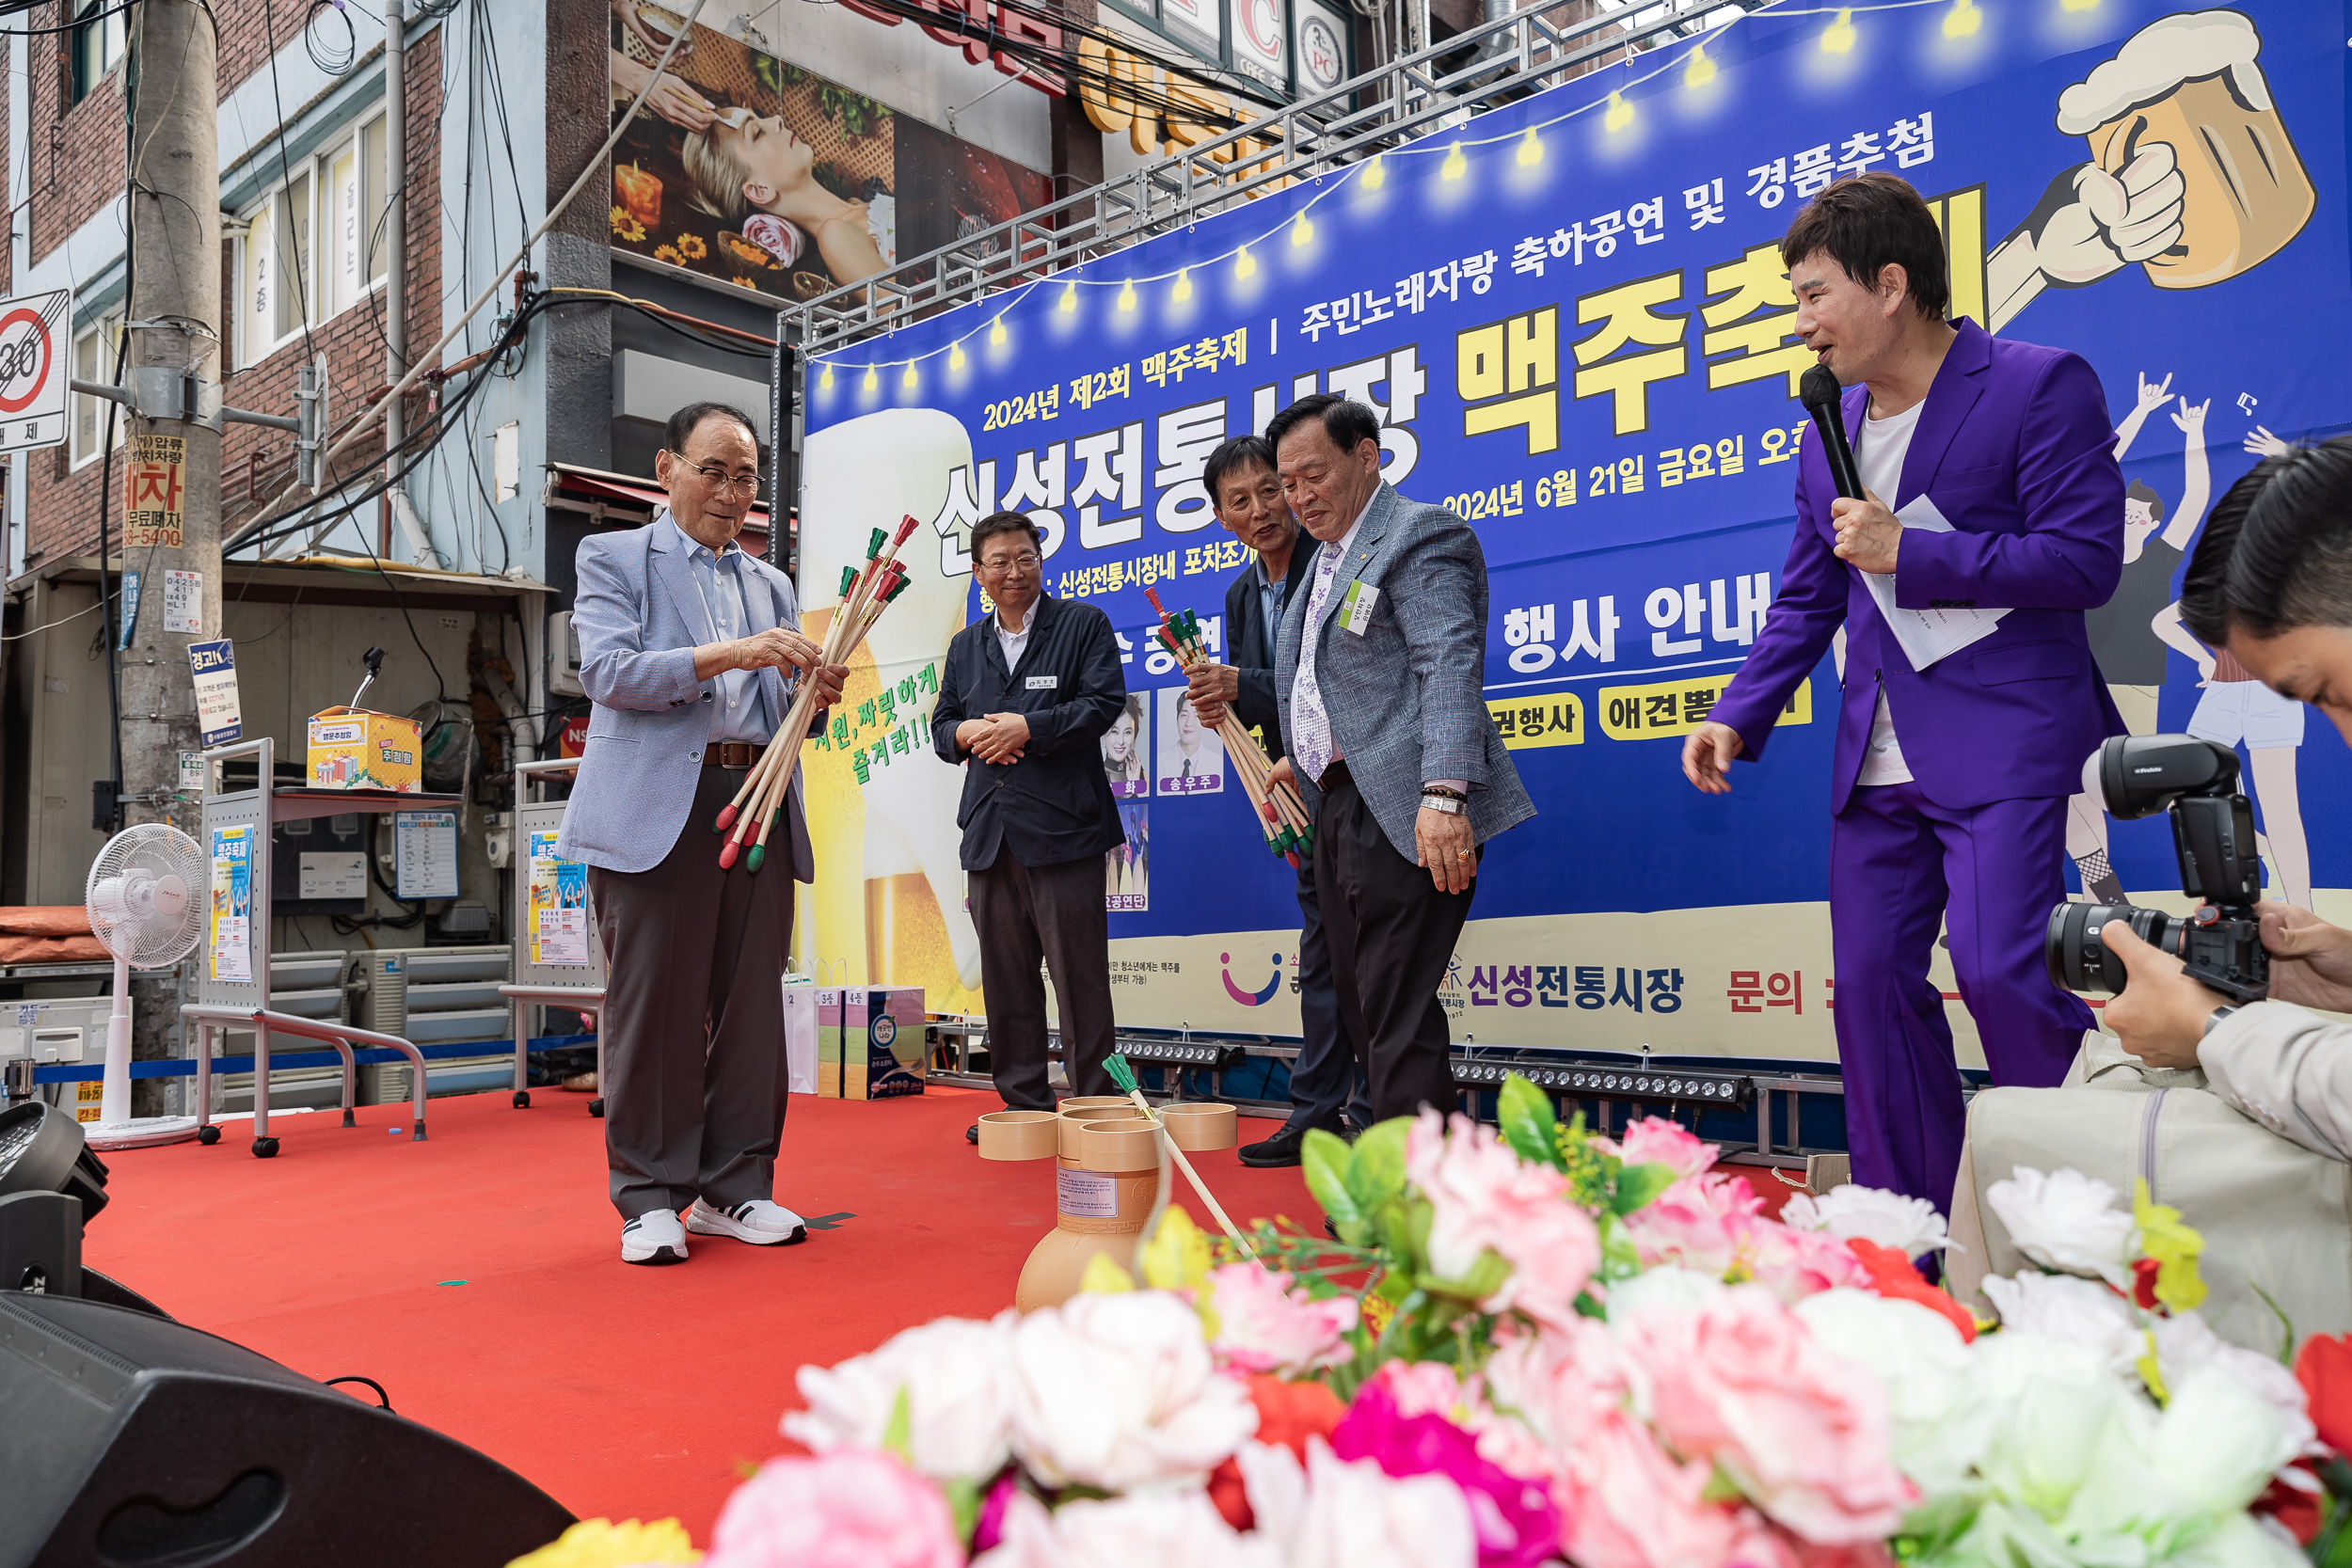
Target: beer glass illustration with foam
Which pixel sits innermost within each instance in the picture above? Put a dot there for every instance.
(2192, 82)
(863, 473)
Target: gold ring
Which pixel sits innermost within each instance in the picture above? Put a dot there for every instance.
(1461, 854)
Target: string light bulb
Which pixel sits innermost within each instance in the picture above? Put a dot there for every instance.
(1070, 299)
(873, 378)
(1962, 20)
(1530, 149)
(1301, 231)
(1455, 165)
(824, 382)
(1376, 173)
(996, 333)
(2079, 5)
(1701, 71)
(955, 357)
(1838, 38)
(1182, 290)
(909, 380)
(1245, 264)
(1620, 112)
(1127, 295)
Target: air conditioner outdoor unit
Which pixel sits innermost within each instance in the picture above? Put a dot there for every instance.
(564, 657)
(435, 996)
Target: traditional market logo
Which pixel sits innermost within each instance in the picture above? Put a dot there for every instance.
(1256, 998)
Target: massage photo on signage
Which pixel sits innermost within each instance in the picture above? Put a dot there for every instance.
(747, 168)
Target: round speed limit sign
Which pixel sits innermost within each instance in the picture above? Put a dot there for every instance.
(33, 377)
(26, 360)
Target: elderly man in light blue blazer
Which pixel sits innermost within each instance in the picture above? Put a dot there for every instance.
(1379, 676)
(685, 646)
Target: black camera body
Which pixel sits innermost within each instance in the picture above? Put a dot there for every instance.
(2213, 833)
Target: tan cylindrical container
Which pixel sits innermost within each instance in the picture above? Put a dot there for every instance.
(1019, 1135)
(1195, 1126)
(1096, 1209)
(1076, 1114)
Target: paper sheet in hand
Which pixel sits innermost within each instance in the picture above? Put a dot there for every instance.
(1928, 635)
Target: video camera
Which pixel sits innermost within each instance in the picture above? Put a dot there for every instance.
(2212, 832)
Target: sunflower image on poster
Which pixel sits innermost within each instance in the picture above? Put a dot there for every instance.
(746, 168)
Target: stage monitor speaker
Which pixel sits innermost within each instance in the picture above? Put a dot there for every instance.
(130, 1441)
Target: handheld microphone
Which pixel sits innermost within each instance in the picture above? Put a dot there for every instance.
(1819, 391)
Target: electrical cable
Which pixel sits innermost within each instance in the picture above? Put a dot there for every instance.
(333, 62)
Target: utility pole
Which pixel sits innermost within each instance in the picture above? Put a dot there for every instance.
(174, 376)
(395, 247)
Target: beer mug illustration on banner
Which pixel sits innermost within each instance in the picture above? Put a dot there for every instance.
(2191, 82)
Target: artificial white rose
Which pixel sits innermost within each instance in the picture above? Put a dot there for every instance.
(2073, 1312)
(2220, 1439)
(2067, 1221)
(1119, 1391)
(959, 1399)
(2185, 1343)
(1942, 1423)
(2054, 1400)
(1910, 1225)
(1668, 1288)
(1163, 1528)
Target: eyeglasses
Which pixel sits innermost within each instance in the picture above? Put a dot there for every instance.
(1010, 563)
(747, 485)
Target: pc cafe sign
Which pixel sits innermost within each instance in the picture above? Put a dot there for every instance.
(981, 29)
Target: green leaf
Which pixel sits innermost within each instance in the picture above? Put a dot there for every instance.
(1325, 1160)
(1529, 1126)
(963, 1497)
(898, 1431)
(1375, 1168)
(1638, 1184)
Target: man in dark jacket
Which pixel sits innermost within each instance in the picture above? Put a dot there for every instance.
(1247, 494)
(1028, 691)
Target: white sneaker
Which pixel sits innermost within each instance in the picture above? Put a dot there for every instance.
(655, 1238)
(758, 1221)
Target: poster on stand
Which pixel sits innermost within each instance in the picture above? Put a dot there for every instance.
(1571, 318)
(558, 904)
(230, 931)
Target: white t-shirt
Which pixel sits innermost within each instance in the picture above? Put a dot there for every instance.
(1885, 442)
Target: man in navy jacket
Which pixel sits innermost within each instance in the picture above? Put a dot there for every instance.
(1027, 694)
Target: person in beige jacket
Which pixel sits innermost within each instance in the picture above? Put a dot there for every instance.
(2271, 583)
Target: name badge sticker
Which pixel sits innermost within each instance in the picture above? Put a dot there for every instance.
(1355, 607)
(1042, 683)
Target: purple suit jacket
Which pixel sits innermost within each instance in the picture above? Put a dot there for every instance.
(2016, 450)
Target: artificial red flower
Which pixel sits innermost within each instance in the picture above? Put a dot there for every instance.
(2296, 1508)
(2144, 1271)
(2324, 1367)
(1892, 1274)
(1288, 1413)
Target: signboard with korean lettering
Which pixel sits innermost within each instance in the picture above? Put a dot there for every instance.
(154, 491)
(1571, 317)
(34, 368)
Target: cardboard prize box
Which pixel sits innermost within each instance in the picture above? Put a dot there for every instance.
(352, 748)
(870, 1042)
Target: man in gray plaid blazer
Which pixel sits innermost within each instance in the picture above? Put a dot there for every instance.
(685, 645)
(1379, 674)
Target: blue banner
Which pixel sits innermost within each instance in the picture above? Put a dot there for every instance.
(1572, 319)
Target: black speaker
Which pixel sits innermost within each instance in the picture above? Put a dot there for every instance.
(130, 1441)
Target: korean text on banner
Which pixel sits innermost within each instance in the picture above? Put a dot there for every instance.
(217, 715)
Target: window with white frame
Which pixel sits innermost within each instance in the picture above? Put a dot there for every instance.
(101, 28)
(314, 246)
(95, 349)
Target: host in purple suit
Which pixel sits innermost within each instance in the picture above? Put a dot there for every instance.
(1949, 783)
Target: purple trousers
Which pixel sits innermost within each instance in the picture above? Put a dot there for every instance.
(1898, 863)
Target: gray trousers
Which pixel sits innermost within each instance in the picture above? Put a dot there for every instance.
(694, 1084)
(1025, 914)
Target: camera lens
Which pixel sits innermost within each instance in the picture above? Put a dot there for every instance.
(2078, 960)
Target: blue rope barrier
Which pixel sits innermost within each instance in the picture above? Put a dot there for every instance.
(90, 1072)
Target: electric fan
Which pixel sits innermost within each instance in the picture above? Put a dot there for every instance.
(146, 905)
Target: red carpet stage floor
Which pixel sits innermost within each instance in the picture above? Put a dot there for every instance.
(477, 1275)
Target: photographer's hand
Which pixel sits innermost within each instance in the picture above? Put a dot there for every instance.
(2310, 961)
(2161, 1015)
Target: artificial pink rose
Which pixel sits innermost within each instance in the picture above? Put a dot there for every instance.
(1262, 1326)
(1629, 1504)
(1330, 1513)
(1740, 1381)
(850, 1508)
(1795, 1265)
(1430, 1389)
(1701, 1222)
(1486, 1196)
(1426, 1388)
(1557, 1382)
(1654, 1141)
(1517, 1523)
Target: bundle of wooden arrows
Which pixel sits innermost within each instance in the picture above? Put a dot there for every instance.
(864, 591)
(1281, 814)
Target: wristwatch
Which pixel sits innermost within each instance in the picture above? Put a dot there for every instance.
(1447, 803)
(2213, 1018)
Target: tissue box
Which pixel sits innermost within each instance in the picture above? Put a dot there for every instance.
(870, 1042)
(354, 748)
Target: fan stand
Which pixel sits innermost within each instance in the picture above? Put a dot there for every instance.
(116, 1127)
